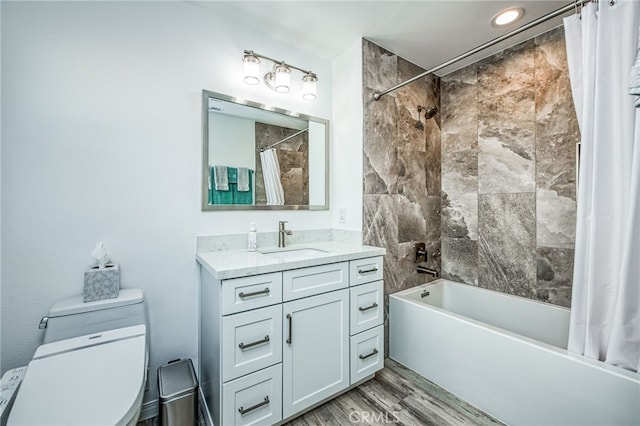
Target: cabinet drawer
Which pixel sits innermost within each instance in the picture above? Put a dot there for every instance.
(365, 270)
(253, 399)
(305, 282)
(366, 307)
(250, 341)
(242, 294)
(367, 353)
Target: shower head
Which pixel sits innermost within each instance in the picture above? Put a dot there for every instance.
(429, 112)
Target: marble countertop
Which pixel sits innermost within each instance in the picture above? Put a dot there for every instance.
(225, 264)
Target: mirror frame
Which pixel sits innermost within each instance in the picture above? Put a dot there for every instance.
(206, 94)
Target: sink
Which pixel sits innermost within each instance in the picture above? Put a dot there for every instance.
(294, 253)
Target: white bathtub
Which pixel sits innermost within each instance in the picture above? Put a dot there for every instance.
(507, 356)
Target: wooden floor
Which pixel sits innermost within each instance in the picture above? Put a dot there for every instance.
(396, 396)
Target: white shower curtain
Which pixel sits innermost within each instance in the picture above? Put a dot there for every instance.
(271, 175)
(605, 308)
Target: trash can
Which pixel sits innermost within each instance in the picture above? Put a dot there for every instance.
(178, 389)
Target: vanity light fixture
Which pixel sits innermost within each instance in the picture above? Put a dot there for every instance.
(507, 16)
(279, 78)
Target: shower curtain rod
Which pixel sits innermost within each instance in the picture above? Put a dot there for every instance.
(286, 139)
(551, 15)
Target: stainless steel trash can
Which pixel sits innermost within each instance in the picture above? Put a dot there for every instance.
(178, 389)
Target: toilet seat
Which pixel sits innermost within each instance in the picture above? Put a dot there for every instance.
(97, 379)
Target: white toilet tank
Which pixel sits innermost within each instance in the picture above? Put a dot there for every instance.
(73, 317)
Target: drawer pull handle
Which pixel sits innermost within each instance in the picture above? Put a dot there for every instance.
(254, 293)
(374, 305)
(257, 342)
(375, 351)
(367, 271)
(290, 318)
(244, 411)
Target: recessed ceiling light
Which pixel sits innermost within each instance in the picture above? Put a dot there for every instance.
(507, 16)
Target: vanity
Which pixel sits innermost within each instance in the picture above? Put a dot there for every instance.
(284, 330)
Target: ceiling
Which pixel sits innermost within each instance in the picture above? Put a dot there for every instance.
(427, 33)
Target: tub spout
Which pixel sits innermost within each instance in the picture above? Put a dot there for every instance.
(425, 270)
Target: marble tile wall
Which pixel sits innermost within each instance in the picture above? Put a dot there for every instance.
(402, 188)
(509, 133)
(293, 156)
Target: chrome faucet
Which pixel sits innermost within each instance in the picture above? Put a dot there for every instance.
(282, 232)
(424, 270)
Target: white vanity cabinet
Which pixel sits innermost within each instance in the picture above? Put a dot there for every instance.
(274, 345)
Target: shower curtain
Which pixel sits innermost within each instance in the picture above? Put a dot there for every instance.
(605, 308)
(271, 175)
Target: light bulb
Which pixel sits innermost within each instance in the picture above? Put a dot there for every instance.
(309, 87)
(282, 78)
(251, 69)
(507, 16)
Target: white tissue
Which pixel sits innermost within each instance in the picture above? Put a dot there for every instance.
(100, 253)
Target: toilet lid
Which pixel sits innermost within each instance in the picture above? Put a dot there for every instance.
(90, 380)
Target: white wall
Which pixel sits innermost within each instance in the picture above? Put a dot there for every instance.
(1, 370)
(101, 141)
(233, 141)
(347, 122)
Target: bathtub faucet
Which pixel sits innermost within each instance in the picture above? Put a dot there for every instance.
(425, 270)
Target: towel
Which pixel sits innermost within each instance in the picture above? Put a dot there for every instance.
(218, 197)
(244, 197)
(221, 178)
(232, 172)
(210, 182)
(634, 76)
(243, 179)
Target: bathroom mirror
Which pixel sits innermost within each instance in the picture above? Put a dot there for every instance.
(259, 157)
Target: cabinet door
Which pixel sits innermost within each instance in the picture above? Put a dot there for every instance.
(315, 350)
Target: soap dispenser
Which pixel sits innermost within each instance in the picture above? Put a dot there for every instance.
(253, 237)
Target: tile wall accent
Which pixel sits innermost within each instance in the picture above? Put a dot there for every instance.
(293, 156)
(402, 195)
(509, 135)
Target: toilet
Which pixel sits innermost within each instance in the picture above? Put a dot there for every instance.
(92, 367)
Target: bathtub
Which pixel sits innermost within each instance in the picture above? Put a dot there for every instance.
(507, 356)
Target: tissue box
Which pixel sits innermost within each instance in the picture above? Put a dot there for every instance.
(102, 284)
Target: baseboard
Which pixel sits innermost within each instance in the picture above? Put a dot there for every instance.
(149, 410)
